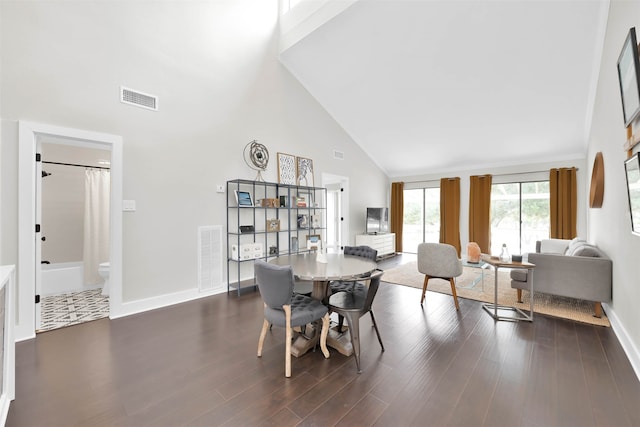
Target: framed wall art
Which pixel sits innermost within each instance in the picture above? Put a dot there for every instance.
(304, 169)
(287, 169)
(629, 77)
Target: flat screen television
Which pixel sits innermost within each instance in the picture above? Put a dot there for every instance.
(377, 220)
(632, 172)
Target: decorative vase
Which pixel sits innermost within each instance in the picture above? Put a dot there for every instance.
(473, 252)
(504, 255)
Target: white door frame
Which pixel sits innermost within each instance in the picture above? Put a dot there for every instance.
(28, 134)
(328, 178)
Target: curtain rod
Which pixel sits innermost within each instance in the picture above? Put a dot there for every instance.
(492, 174)
(73, 164)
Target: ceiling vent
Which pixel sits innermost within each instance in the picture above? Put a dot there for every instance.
(139, 99)
(338, 155)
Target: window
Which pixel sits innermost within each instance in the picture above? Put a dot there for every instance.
(519, 215)
(421, 222)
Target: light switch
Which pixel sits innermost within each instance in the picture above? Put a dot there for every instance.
(128, 205)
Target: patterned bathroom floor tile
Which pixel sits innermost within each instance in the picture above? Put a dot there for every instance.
(58, 311)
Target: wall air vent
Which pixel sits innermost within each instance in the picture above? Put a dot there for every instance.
(210, 258)
(139, 99)
(338, 155)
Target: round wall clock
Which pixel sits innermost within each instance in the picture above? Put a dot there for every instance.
(596, 192)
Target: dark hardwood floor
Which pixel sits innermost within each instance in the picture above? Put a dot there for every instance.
(195, 364)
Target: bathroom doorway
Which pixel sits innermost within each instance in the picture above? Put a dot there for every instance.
(30, 135)
(74, 243)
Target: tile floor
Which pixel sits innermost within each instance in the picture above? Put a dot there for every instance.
(63, 310)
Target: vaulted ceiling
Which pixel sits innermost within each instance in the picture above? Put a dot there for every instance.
(431, 86)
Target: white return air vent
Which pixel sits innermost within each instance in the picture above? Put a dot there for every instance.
(139, 99)
(209, 257)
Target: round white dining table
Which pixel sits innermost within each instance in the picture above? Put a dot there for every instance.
(337, 267)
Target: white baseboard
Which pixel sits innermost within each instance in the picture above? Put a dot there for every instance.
(627, 344)
(139, 306)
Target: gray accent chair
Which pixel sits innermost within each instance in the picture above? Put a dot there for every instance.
(354, 304)
(285, 309)
(439, 261)
(568, 268)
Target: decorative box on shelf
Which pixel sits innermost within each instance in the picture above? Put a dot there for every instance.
(247, 251)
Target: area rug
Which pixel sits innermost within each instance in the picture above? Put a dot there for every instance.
(567, 308)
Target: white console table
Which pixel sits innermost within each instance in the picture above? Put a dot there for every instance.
(385, 244)
(8, 351)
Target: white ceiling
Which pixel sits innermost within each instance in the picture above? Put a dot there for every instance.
(430, 86)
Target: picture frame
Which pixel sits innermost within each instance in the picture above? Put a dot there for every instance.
(303, 221)
(304, 172)
(632, 174)
(628, 78)
(273, 224)
(287, 169)
(243, 199)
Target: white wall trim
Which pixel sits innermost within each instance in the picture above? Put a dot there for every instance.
(632, 352)
(152, 303)
(28, 133)
(8, 281)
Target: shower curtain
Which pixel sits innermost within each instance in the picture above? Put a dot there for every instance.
(96, 223)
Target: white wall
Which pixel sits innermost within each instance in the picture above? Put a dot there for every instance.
(610, 226)
(214, 67)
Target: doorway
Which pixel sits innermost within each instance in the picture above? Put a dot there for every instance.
(74, 218)
(337, 211)
(29, 222)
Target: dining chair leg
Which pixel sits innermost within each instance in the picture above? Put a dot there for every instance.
(354, 331)
(375, 325)
(340, 323)
(323, 336)
(424, 288)
(263, 333)
(453, 291)
(289, 334)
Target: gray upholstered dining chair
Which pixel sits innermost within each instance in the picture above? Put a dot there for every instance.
(439, 261)
(285, 309)
(354, 304)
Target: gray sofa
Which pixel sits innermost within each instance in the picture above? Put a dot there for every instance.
(569, 268)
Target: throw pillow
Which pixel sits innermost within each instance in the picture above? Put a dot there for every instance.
(573, 245)
(587, 250)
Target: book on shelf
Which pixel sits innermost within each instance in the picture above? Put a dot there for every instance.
(301, 202)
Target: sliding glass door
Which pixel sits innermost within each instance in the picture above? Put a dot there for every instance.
(421, 218)
(519, 215)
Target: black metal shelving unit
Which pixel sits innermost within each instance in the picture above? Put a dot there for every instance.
(258, 240)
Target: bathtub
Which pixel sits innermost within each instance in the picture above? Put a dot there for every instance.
(63, 277)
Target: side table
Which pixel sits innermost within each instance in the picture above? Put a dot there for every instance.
(480, 265)
(494, 308)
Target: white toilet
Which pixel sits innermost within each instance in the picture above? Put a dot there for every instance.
(103, 271)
